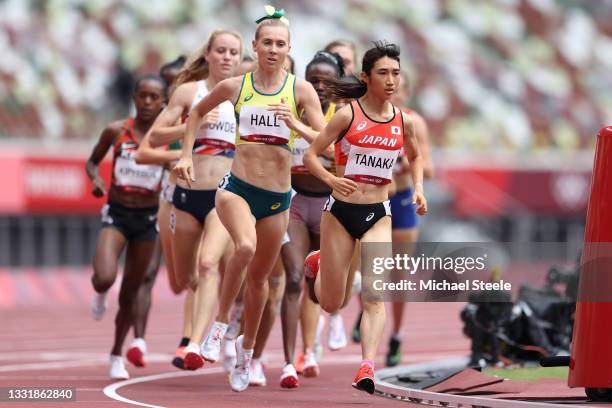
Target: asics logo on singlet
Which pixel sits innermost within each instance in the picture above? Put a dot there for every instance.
(370, 216)
(275, 206)
(248, 97)
(362, 125)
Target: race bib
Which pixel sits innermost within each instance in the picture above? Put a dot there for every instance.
(221, 134)
(370, 166)
(259, 125)
(130, 174)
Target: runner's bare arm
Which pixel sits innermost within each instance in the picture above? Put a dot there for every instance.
(411, 145)
(105, 142)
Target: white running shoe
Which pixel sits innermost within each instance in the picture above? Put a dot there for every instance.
(211, 348)
(336, 337)
(229, 354)
(257, 375)
(99, 305)
(311, 367)
(239, 377)
(289, 377)
(117, 368)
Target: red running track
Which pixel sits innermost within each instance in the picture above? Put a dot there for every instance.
(50, 340)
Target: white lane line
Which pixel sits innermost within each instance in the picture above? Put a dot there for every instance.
(111, 390)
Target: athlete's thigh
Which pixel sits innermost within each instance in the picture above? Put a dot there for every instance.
(337, 247)
(375, 243)
(215, 240)
(137, 259)
(111, 243)
(185, 242)
(165, 236)
(294, 252)
(235, 214)
(270, 231)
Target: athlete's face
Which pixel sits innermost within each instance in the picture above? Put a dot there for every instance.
(272, 46)
(348, 57)
(223, 56)
(384, 79)
(316, 75)
(149, 99)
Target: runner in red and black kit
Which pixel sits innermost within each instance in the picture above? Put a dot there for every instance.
(358, 209)
(129, 218)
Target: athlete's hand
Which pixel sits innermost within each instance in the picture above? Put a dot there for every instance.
(99, 187)
(343, 185)
(184, 170)
(284, 112)
(418, 199)
(210, 118)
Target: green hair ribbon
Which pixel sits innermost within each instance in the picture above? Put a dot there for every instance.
(273, 14)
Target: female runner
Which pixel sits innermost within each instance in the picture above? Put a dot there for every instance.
(253, 198)
(197, 225)
(129, 218)
(358, 209)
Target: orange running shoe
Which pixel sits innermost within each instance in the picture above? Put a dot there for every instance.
(299, 363)
(364, 380)
(311, 264)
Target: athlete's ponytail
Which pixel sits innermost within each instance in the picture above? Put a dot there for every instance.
(352, 88)
(196, 68)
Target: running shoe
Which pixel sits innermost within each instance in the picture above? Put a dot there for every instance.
(394, 355)
(356, 333)
(299, 363)
(364, 380)
(117, 368)
(179, 358)
(257, 377)
(193, 359)
(239, 377)
(99, 304)
(311, 264)
(289, 378)
(311, 367)
(211, 348)
(336, 337)
(136, 352)
(229, 354)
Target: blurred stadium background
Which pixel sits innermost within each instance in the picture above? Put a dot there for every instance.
(514, 92)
